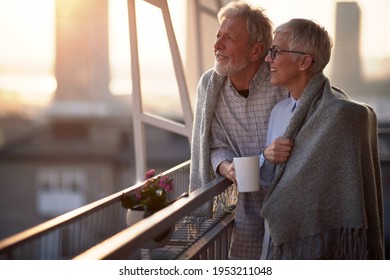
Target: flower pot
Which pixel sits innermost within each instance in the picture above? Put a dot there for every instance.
(134, 216)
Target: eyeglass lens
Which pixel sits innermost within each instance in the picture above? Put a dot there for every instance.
(273, 52)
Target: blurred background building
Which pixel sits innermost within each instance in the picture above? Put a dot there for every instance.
(78, 146)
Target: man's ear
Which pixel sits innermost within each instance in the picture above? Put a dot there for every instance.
(257, 51)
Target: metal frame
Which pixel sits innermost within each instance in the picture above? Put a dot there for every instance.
(141, 118)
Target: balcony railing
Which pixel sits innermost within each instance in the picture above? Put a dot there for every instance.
(188, 229)
(99, 231)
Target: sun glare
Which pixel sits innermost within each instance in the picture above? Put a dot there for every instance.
(27, 49)
(153, 45)
(27, 32)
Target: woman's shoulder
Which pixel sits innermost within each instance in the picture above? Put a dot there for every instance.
(345, 105)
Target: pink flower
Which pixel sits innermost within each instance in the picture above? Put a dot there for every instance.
(152, 194)
(150, 173)
(138, 193)
(165, 183)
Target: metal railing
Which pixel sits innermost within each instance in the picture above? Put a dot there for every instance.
(210, 235)
(98, 230)
(76, 231)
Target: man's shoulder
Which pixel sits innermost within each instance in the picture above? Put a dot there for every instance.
(210, 79)
(206, 75)
(211, 75)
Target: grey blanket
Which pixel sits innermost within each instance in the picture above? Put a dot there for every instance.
(332, 180)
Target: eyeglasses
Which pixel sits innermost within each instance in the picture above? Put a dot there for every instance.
(273, 50)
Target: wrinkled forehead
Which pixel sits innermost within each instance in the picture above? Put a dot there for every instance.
(234, 23)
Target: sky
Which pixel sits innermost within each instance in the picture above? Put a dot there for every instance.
(374, 14)
(27, 30)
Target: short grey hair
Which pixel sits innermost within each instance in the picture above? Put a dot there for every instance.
(258, 24)
(309, 37)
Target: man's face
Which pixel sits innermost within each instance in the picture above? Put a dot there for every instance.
(231, 48)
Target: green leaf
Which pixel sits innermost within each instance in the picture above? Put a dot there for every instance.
(128, 201)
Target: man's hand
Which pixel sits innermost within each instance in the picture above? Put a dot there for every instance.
(226, 169)
(278, 151)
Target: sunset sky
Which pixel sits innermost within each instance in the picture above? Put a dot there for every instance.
(27, 30)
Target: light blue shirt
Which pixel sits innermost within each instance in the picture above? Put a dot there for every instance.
(280, 117)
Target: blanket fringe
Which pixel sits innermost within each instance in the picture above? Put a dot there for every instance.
(340, 244)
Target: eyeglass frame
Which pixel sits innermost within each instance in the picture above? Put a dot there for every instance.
(273, 50)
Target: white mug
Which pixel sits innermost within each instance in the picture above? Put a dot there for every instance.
(247, 173)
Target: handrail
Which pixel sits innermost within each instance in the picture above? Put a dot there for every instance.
(41, 229)
(214, 245)
(132, 238)
(18, 240)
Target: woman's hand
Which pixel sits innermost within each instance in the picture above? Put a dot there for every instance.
(278, 151)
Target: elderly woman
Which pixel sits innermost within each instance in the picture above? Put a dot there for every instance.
(324, 198)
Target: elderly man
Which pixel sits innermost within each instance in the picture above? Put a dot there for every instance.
(234, 101)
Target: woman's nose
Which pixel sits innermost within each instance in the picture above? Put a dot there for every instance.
(268, 58)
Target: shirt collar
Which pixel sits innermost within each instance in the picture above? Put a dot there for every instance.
(293, 104)
(260, 76)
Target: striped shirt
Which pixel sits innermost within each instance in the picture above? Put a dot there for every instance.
(239, 125)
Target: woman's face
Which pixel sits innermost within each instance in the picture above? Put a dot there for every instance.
(285, 67)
